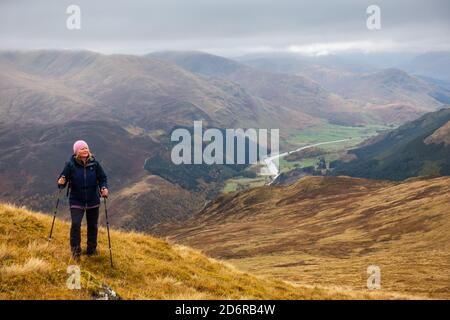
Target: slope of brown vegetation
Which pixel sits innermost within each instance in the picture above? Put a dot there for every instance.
(328, 230)
(144, 268)
(150, 200)
(441, 135)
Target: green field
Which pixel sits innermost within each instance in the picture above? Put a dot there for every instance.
(242, 183)
(316, 134)
(329, 132)
(286, 166)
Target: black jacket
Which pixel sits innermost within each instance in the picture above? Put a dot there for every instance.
(85, 181)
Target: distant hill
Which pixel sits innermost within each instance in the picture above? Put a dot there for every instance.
(354, 62)
(387, 86)
(416, 148)
(294, 92)
(432, 64)
(164, 89)
(297, 63)
(200, 62)
(388, 93)
(328, 230)
(28, 97)
(150, 199)
(49, 86)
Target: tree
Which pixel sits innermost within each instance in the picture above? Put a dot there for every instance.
(321, 164)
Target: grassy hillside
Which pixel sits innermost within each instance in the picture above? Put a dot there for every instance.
(145, 267)
(150, 200)
(328, 230)
(414, 149)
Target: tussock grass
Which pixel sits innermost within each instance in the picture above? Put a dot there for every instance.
(5, 253)
(146, 267)
(323, 232)
(32, 265)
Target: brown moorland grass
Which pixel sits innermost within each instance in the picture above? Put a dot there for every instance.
(326, 231)
(145, 267)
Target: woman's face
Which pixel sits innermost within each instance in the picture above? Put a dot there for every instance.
(83, 152)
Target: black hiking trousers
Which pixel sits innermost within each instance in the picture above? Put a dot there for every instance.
(92, 230)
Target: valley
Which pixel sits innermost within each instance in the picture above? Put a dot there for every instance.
(333, 142)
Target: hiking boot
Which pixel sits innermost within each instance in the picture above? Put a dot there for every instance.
(91, 252)
(76, 253)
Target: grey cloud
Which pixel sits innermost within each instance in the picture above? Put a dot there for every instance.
(227, 26)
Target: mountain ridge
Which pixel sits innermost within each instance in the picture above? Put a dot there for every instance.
(404, 152)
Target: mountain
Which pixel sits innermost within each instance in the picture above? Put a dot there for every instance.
(390, 94)
(150, 199)
(355, 62)
(386, 86)
(328, 230)
(145, 267)
(294, 92)
(441, 135)
(414, 149)
(140, 91)
(27, 97)
(165, 89)
(431, 64)
(200, 62)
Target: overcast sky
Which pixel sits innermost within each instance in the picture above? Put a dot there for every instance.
(226, 27)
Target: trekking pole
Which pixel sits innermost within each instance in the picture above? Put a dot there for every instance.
(107, 228)
(54, 213)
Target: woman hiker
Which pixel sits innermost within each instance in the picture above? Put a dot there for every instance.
(86, 179)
